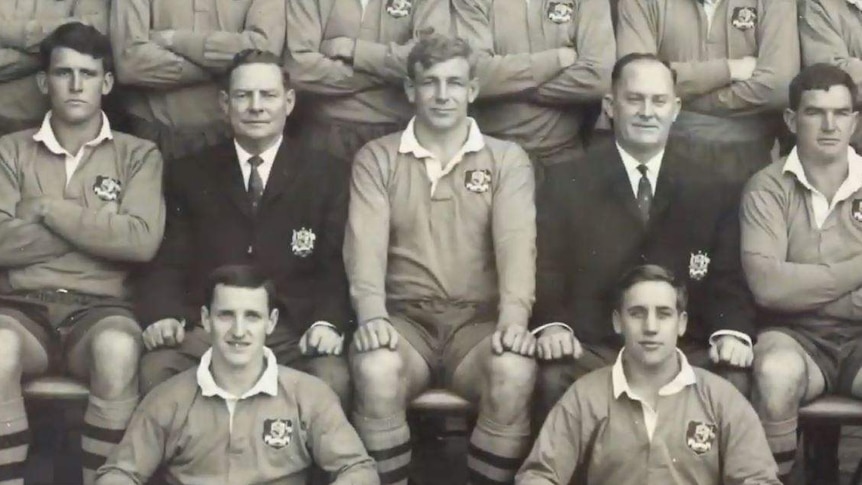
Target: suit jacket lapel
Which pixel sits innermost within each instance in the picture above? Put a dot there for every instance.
(619, 185)
(230, 178)
(282, 174)
(666, 187)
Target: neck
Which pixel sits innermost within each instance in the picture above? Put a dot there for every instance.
(826, 174)
(642, 154)
(258, 145)
(649, 380)
(73, 137)
(443, 144)
(237, 380)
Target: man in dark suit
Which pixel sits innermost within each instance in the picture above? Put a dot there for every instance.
(261, 199)
(628, 203)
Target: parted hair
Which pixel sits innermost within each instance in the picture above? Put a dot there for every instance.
(821, 77)
(79, 37)
(436, 48)
(254, 56)
(240, 276)
(651, 272)
(622, 62)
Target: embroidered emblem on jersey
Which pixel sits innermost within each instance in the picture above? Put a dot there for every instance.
(698, 265)
(399, 8)
(302, 242)
(744, 18)
(700, 436)
(560, 12)
(276, 432)
(107, 189)
(478, 181)
(856, 3)
(856, 210)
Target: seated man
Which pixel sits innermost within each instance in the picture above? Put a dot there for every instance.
(651, 418)
(259, 199)
(632, 202)
(239, 417)
(801, 223)
(440, 254)
(80, 205)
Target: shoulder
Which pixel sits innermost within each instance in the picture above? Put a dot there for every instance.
(505, 152)
(716, 389)
(380, 152)
(770, 179)
(133, 144)
(176, 392)
(594, 387)
(14, 143)
(309, 392)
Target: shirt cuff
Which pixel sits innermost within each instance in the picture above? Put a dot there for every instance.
(535, 332)
(321, 323)
(720, 333)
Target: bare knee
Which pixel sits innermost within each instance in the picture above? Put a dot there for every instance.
(379, 380)
(511, 373)
(779, 379)
(115, 354)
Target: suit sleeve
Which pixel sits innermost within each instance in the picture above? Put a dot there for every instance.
(559, 448)
(162, 284)
(552, 224)
(777, 63)
(821, 33)
(311, 70)
(729, 305)
(140, 62)
(335, 445)
(776, 283)
(366, 241)
(589, 78)
(22, 243)
(637, 31)
(514, 234)
(25, 34)
(501, 75)
(130, 231)
(263, 30)
(389, 61)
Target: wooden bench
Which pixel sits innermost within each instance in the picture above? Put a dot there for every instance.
(833, 410)
(441, 401)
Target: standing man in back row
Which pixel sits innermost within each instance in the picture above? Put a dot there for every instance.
(349, 57)
(170, 55)
(733, 60)
(543, 65)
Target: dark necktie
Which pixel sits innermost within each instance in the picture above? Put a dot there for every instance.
(255, 183)
(644, 193)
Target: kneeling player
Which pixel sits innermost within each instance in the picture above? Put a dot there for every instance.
(651, 417)
(440, 254)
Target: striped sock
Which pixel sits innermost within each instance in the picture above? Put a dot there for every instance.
(388, 442)
(104, 424)
(781, 436)
(496, 451)
(14, 442)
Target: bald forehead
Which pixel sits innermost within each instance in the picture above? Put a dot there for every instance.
(646, 71)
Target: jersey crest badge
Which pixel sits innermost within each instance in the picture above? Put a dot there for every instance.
(107, 188)
(399, 8)
(856, 210)
(276, 432)
(560, 12)
(700, 436)
(698, 265)
(302, 242)
(478, 181)
(744, 18)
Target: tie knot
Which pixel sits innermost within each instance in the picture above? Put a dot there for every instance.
(255, 161)
(642, 168)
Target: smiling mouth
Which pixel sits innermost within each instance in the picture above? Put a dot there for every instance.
(238, 345)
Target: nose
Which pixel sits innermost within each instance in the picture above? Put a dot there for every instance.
(829, 122)
(442, 94)
(76, 82)
(256, 102)
(647, 109)
(650, 326)
(238, 328)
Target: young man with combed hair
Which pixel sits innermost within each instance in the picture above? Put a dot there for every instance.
(544, 65)
(650, 418)
(80, 207)
(23, 26)
(734, 60)
(801, 221)
(170, 55)
(239, 417)
(263, 199)
(632, 200)
(349, 58)
(440, 254)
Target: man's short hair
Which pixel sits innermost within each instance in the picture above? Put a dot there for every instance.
(436, 48)
(651, 272)
(255, 56)
(79, 37)
(240, 276)
(622, 62)
(820, 76)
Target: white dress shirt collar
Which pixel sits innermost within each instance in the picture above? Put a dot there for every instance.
(631, 164)
(264, 168)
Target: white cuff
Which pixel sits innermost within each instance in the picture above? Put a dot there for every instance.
(324, 324)
(720, 333)
(538, 329)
